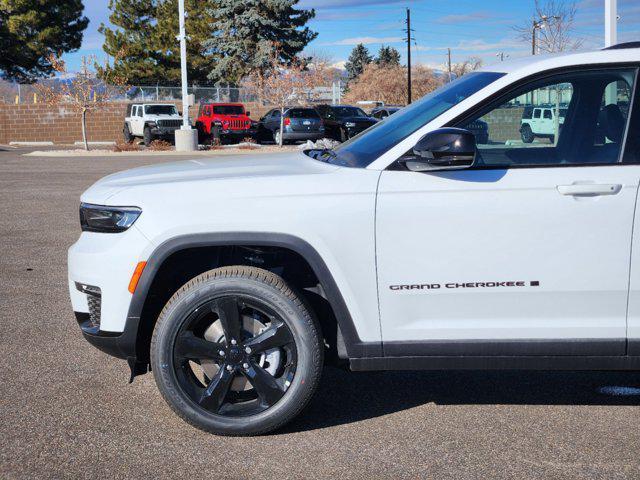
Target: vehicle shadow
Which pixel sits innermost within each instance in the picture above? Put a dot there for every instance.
(346, 397)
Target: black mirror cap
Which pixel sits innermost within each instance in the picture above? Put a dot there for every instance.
(247, 113)
(445, 148)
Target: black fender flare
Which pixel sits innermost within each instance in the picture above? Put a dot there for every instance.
(355, 347)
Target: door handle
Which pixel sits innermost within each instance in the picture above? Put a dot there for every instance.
(589, 189)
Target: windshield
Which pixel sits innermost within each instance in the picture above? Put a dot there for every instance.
(302, 113)
(344, 112)
(366, 147)
(228, 110)
(160, 110)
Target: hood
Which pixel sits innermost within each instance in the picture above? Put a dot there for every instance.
(163, 117)
(359, 119)
(198, 171)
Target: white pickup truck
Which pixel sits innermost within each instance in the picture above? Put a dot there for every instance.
(151, 121)
(411, 246)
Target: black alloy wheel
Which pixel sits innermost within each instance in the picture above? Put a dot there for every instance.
(236, 351)
(234, 356)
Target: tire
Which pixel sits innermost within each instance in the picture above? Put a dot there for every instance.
(527, 134)
(126, 133)
(284, 357)
(147, 136)
(343, 135)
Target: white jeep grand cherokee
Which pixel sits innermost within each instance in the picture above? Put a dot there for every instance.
(407, 247)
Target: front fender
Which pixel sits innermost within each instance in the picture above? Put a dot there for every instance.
(355, 347)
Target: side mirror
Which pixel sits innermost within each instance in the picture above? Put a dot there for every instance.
(247, 113)
(443, 149)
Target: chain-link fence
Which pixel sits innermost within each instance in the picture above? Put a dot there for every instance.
(28, 94)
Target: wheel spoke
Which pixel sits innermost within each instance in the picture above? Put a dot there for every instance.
(276, 336)
(229, 313)
(268, 389)
(195, 348)
(213, 396)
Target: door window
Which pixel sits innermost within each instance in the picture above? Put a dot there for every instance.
(571, 119)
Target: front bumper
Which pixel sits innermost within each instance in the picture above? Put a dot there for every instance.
(105, 261)
(164, 132)
(353, 131)
(238, 133)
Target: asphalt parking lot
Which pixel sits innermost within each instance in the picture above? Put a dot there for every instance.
(68, 412)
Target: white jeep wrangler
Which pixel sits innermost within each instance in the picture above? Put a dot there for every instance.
(151, 121)
(541, 122)
(411, 246)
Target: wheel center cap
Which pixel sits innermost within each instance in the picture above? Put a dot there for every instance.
(235, 355)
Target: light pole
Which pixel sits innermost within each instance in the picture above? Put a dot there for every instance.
(537, 25)
(611, 38)
(502, 56)
(610, 22)
(186, 137)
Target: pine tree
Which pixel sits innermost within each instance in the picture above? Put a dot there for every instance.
(358, 59)
(388, 57)
(144, 45)
(32, 31)
(247, 33)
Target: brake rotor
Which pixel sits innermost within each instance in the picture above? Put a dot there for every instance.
(252, 326)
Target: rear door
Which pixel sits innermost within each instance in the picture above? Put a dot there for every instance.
(527, 253)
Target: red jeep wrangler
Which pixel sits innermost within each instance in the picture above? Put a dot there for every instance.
(230, 119)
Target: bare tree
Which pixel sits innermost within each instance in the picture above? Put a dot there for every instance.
(388, 84)
(287, 84)
(552, 27)
(81, 92)
(466, 66)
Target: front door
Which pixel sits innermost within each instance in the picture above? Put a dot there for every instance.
(528, 252)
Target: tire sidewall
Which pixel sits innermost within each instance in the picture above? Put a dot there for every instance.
(307, 347)
(147, 137)
(127, 133)
(527, 134)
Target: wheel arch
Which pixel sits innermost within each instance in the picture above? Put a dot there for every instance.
(348, 341)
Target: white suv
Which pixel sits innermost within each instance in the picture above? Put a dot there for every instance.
(542, 122)
(151, 121)
(409, 247)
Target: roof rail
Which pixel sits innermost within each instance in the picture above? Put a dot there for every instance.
(621, 46)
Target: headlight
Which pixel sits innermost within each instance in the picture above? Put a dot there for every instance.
(350, 124)
(99, 218)
(152, 124)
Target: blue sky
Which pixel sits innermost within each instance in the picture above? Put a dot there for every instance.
(468, 27)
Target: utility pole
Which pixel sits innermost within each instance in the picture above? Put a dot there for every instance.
(502, 56)
(186, 137)
(449, 62)
(408, 56)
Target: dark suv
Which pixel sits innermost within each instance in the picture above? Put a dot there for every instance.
(343, 121)
(299, 123)
(384, 111)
